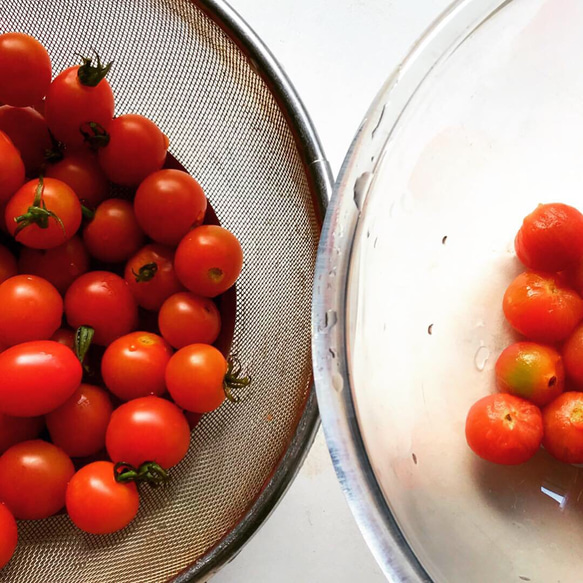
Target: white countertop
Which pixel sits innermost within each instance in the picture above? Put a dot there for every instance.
(337, 53)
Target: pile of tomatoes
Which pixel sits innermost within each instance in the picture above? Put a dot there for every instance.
(107, 304)
(540, 378)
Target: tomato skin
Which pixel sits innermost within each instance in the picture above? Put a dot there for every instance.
(134, 365)
(8, 265)
(186, 318)
(168, 204)
(13, 430)
(65, 336)
(26, 65)
(563, 426)
(21, 394)
(208, 260)
(541, 307)
(11, 168)
(102, 300)
(33, 479)
(195, 376)
(148, 429)
(136, 148)
(32, 309)
(504, 429)
(8, 535)
(69, 105)
(96, 503)
(113, 235)
(60, 265)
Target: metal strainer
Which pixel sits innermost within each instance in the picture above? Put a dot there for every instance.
(236, 125)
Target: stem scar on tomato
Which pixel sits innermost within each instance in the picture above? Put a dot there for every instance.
(146, 272)
(95, 135)
(233, 380)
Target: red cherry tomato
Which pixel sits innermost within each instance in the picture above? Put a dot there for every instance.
(50, 198)
(32, 309)
(28, 131)
(8, 535)
(192, 418)
(13, 430)
(60, 265)
(573, 357)
(540, 306)
(151, 276)
(8, 265)
(77, 97)
(563, 427)
(21, 367)
(102, 300)
(82, 172)
(136, 148)
(134, 365)
(148, 429)
(25, 69)
(168, 204)
(96, 503)
(113, 235)
(65, 336)
(186, 318)
(504, 429)
(208, 260)
(33, 479)
(11, 168)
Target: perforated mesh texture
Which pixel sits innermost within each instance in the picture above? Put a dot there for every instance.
(176, 66)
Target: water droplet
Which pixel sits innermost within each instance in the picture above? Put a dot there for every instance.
(337, 381)
(132, 348)
(332, 272)
(330, 319)
(361, 188)
(481, 357)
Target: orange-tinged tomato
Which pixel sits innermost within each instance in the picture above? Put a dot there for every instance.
(563, 427)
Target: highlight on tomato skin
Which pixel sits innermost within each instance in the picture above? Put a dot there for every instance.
(563, 427)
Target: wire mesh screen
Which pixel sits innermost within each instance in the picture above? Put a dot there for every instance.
(176, 66)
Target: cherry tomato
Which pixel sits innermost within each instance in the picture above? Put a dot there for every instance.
(113, 235)
(96, 503)
(134, 365)
(573, 357)
(532, 371)
(33, 479)
(8, 265)
(32, 309)
(28, 131)
(13, 430)
(60, 265)
(208, 260)
(65, 336)
(11, 168)
(195, 378)
(102, 300)
(82, 172)
(192, 418)
(136, 148)
(47, 212)
(551, 238)
(148, 429)
(25, 69)
(77, 97)
(78, 425)
(8, 535)
(168, 204)
(21, 367)
(186, 318)
(504, 429)
(540, 306)
(563, 427)
(151, 276)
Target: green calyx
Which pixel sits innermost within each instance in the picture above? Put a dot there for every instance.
(37, 214)
(146, 272)
(90, 74)
(234, 380)
(150, 473)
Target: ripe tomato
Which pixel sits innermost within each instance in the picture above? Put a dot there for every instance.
(82, 172)
(192, 418)
(21, 367)
(113, 235)
(25, 69)
(134, 365)
(65, 336)
(78, 96)
(532, 371)
(28, 131)
(136, 148)
(8, 535)
(60, 265)
(168, 204)
(13, 430)
(148, 429)
(540, 306)
(504, 429)
(11, 168)
(32, 309)
(33, 479)
(551, 238)
(102, 300)
(8, 265)
(151, 276)
(563, 426)
(573, 357)
(208, 260)
(78, 425)
(43, 214)
(186, 318)
(96, 503)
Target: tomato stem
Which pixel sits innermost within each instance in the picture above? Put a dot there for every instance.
(234, 380)
(89, 74)
(83, 338)
(87, 212)
(149, 472)
(94, 134)
(55, 153)
(146, 272)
